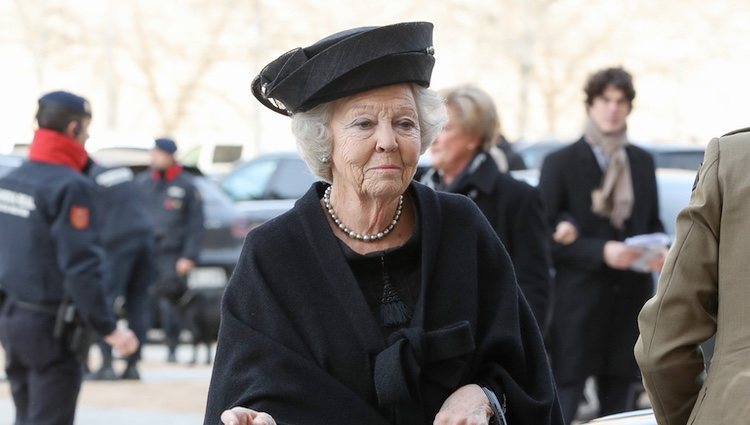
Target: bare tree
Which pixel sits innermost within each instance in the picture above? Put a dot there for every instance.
(152, 49)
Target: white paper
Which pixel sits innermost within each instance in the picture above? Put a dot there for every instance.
(651, 246)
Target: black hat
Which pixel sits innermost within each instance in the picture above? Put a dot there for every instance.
(165, 144)
(346, 63)
(72, 102)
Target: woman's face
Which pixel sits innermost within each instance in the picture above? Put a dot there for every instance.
(376, 141)
(454, 147)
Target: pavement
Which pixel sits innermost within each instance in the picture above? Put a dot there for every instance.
(168, 394)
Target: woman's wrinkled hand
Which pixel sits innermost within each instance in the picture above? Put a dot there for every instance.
(245, 416)
(468, 405)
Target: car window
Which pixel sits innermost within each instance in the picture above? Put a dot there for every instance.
(210, 192)
(191, 157)
(248, 182)
(685, 160)
(291, 181)
(227, 153)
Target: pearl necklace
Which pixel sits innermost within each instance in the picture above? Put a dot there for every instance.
(351, 233)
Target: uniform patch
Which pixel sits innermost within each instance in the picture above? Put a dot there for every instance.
(114, 177)
(172, 204)
(79, 217)
(176, 192)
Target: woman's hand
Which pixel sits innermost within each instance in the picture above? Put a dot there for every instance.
(565, 233)
(468, 405)
(245, 416)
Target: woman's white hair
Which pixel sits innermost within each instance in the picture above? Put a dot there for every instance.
(315, 143)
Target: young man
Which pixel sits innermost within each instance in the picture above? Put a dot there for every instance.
(176, 208)
(50, 267)
(607, 188)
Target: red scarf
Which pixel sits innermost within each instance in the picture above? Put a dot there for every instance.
(56, 148)
(169, 174)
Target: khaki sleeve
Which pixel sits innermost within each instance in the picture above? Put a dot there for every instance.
(682, 315)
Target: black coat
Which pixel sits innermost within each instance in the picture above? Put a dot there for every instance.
(515, 211)
(594, 325)
(299, 341)
(515, 161)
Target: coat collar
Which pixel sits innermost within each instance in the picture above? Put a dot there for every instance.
(479, 174)
(170, 174)
(338, 274)
(56, 148)
(586, 159)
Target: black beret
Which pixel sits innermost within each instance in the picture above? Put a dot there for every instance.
(165, 144)
(74, 103)
(346, 63)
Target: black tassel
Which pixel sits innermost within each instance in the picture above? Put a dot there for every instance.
(393, 311)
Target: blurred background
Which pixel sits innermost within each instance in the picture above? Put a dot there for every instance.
(183, 67)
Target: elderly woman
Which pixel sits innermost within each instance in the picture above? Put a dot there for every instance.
(374, 300)
(462, 162)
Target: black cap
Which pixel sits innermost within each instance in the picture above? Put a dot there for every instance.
(72, 102)
(347, 63)
(165, 144)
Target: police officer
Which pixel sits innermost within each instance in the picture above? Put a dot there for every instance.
(50, 267)
(176, 208)
(126, 231)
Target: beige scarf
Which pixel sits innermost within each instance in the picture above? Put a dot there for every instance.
(614, 197)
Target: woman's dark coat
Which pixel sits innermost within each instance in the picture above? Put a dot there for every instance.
(515, 211)
(299, 341)
(594, 325)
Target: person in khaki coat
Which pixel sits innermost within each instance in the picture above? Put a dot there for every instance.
(708, 265)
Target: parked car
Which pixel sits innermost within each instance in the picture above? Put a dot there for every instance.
(638, 417)
(8, 163)
(267, 186)
(684, 157)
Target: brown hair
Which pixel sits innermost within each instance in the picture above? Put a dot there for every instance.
(600, 80)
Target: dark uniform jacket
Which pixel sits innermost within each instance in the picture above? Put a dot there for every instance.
(594, 325)
(49, 247)
(515, 211)
(299, 341)
(121, 213)
(176, 208)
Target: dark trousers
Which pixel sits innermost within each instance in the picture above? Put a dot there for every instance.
(129, 273)
(45, 377)
(168, 318)
(615, 396)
